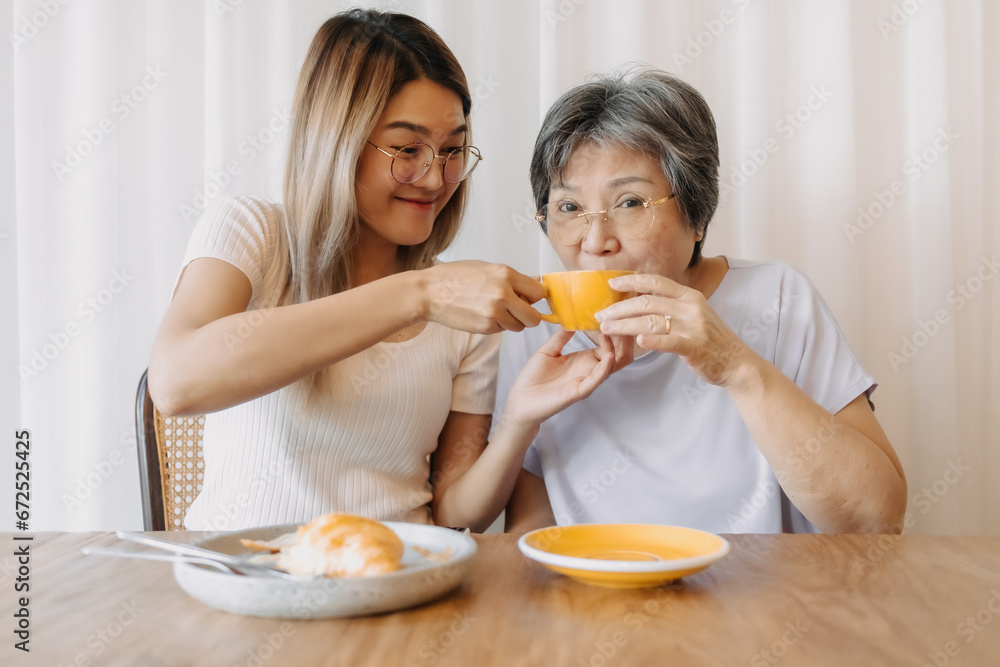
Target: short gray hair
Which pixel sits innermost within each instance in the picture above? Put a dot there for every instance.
(652, 112)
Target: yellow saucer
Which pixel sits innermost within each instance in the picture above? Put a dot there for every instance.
(619, 555)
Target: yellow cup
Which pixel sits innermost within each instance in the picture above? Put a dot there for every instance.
(575, 296)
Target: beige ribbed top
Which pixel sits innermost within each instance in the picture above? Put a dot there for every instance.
(366, 450)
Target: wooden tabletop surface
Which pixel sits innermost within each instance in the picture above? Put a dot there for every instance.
(775, 599)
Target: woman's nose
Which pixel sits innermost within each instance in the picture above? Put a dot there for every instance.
(599, 238)
(433, 178)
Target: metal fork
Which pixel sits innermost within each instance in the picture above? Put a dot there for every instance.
(233, 564)
(151, 555)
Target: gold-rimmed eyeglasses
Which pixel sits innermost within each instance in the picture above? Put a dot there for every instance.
(631, 216)
(412, 161)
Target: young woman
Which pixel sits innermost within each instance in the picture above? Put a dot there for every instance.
(333, 354)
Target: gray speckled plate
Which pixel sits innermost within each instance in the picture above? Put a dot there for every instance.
(420, 580)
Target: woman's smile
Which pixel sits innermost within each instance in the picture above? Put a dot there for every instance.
(421, 205)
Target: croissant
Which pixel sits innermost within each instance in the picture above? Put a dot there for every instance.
(336, 545)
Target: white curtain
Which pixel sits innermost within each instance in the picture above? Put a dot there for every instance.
(859, 143)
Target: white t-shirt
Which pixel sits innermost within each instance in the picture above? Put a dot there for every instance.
(656, 444)
(268, 461)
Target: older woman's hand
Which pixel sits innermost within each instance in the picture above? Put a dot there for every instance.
(669, 317)
(552, 381)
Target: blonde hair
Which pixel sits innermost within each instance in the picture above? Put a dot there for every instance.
(357, 62)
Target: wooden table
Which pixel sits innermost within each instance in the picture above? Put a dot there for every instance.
(775, 599)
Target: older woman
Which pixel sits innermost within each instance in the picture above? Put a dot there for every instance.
(744, 410)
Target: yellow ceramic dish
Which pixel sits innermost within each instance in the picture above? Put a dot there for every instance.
(617, 555)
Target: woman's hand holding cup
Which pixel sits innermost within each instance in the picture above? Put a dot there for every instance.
(669, 317)
(479, 297)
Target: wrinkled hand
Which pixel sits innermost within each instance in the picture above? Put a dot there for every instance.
(695, 332)
(552, 381)
(479, 297)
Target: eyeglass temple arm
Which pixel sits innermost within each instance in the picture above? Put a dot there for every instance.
(660, 201)
(379, 149)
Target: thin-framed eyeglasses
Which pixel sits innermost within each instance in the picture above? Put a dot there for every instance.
(631, 216)
(412, 161)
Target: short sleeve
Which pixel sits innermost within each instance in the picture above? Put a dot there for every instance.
(811, 350)
(237, 231)
(532, 462)
(475, 384)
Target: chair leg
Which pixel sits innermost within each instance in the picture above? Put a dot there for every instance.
(149, 459)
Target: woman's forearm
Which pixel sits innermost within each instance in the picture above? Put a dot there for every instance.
(529, 506)
(249, 354)
(833, 472)
(476, 497)
(548, 383)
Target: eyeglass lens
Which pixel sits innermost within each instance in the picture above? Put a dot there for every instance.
(567, 222)
(412, 162)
